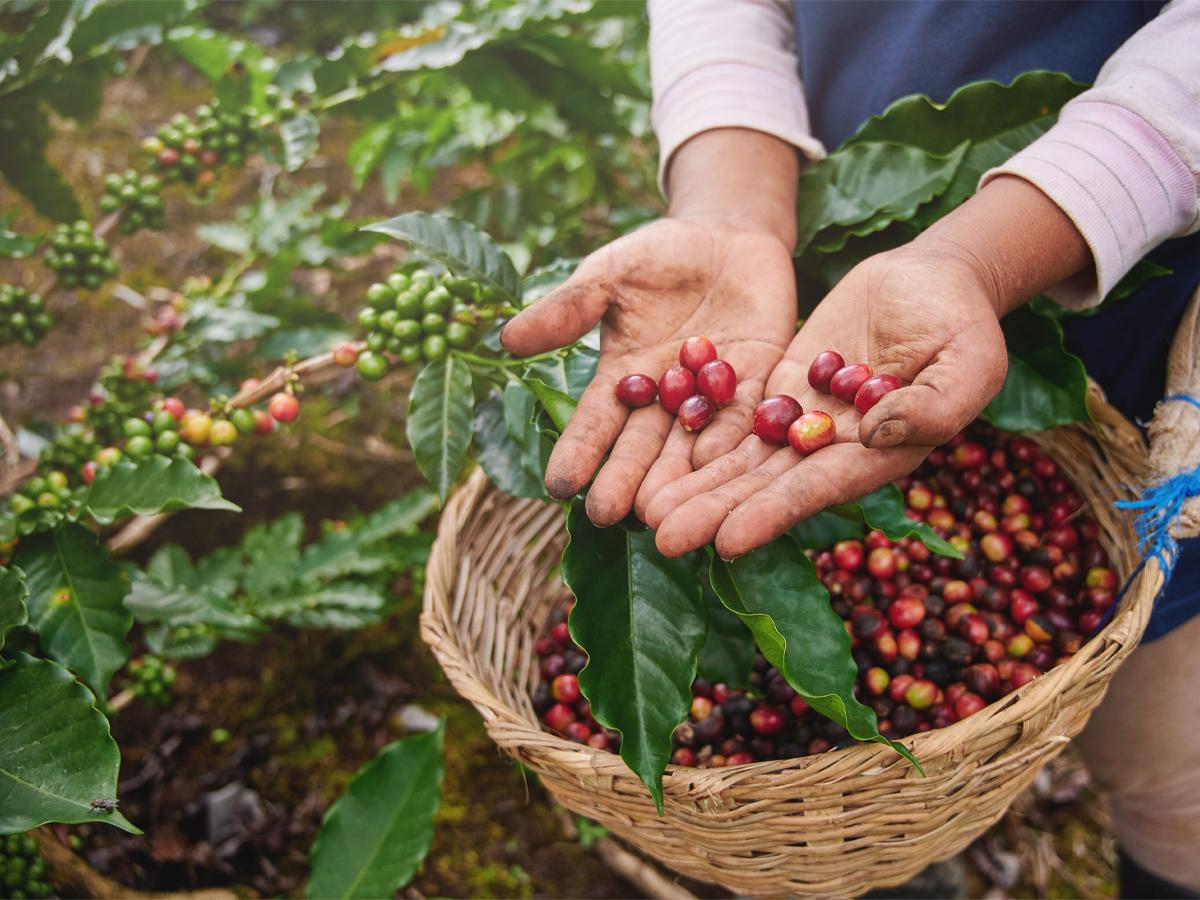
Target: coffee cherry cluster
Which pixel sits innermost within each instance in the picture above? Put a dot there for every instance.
(191, 148)
(49, 491)
(829, 374)
(692, 391)
(124, 389)
(414, 317)
(23, 316)
(23, 871)
(139, 198)
(935, 639)
(556, 698)
(151, 679)
(79, 257)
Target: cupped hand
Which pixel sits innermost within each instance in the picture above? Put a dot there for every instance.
(649, 291)
(926, 316)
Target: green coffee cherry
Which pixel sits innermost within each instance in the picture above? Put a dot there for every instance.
(23, 316)
(371, 366)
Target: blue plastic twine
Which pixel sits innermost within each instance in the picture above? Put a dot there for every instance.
(1161, 505)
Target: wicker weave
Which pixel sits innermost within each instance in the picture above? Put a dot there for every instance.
(839, 823)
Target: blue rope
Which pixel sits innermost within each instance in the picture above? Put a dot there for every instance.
(1161, 505)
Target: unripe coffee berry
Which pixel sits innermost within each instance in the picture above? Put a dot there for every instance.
(873, 389)
(695, 352)
(345, 355)
(847, 380)
(223, 433)
(823, 368)
(676, 385)
(696, 412)
(717, 381)
(774, 416)
(811, 431)
(636, 391)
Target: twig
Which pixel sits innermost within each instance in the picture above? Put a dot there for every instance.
(11, 458)
(283, 375)
(121, 700)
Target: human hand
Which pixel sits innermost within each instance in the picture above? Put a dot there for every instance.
(649, 291)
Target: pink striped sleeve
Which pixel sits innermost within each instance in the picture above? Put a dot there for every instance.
(725, 64)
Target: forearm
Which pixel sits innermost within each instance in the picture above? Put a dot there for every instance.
(738, 177)
(1015, 237)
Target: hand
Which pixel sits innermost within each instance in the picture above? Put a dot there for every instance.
(927, 313)
(649, 291)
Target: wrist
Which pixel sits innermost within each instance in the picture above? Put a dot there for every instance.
(737, 178)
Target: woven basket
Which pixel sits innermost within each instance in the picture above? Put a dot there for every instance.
(841, 822)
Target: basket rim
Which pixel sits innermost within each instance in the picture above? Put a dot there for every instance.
(1122, 630)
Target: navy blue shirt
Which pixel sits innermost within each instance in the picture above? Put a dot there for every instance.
(856, 58)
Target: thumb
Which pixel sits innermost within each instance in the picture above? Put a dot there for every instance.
(945, 396)
(560, 318)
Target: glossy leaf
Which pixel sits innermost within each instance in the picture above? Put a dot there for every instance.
(640, 618)
(377, 834)
(569, 372)
(152, 486)
(13, 594)
(440, 408)
(883, 510)
(558, 405)
(728, 652)
(509, 443)
(458, 245)
(1046, 386)
(776, 593)
(76, 602)
(825, 529)
(57, 756)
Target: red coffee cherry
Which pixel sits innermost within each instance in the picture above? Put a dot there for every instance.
(872, 390)
(717, 381)
(774, 416)
(823, 369)
(812, 431)
(284, 407)
(636, 391)
(676, 385)
(847, 380)
(695, 352)
(696, 412)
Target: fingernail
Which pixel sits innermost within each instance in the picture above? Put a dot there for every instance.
(888, 433)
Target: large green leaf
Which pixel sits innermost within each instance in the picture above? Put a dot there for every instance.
(152, 486)
(569, 372)
(1046, 386)
(559, 406)
(865, 187)
(376, 835)
(509, 443)
(640, 618)
(458, 245)
(366, 549)
(344, 604)
(76, 602)
(825, 529)
(24, 134)
(776, 593)
(271, 552)
(439, 421)
(57, 756)
(883, 510)
(13, 593)
(997, 120)
(728, 652)
(173, 592)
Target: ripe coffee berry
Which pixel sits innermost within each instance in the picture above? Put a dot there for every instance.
(676, 385)
(823, 368)
(558, 717)
(696, 412)
(717, 381)
(636, 391)
(847, 380)
(695, 352)
(565, 688)
(774, 416)
(873, 389)
(768, 720)
(811, 431)
(284, 407)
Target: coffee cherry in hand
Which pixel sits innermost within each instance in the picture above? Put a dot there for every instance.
(636, 391)
(872, 390)
(773, 416)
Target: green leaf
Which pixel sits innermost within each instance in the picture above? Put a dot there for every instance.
(640, 618)
(439, 421)
(728, 652)
(1143, 271)
(459, 246)
(124, 24)
(883, 510)
(364, 549)
(825, 529)
(1046, 386)
(345, 604)
(24, 134)
(271, 552)
(776, 593)
(14, 245)
(377, 834)
(76, 602)
(152, 486)
(13, 594)
(997, 120)
(558, 405)
(57, 756)
(173, 592)
(569, 372)
(509, 443)
(865, 187)
(300, 135)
